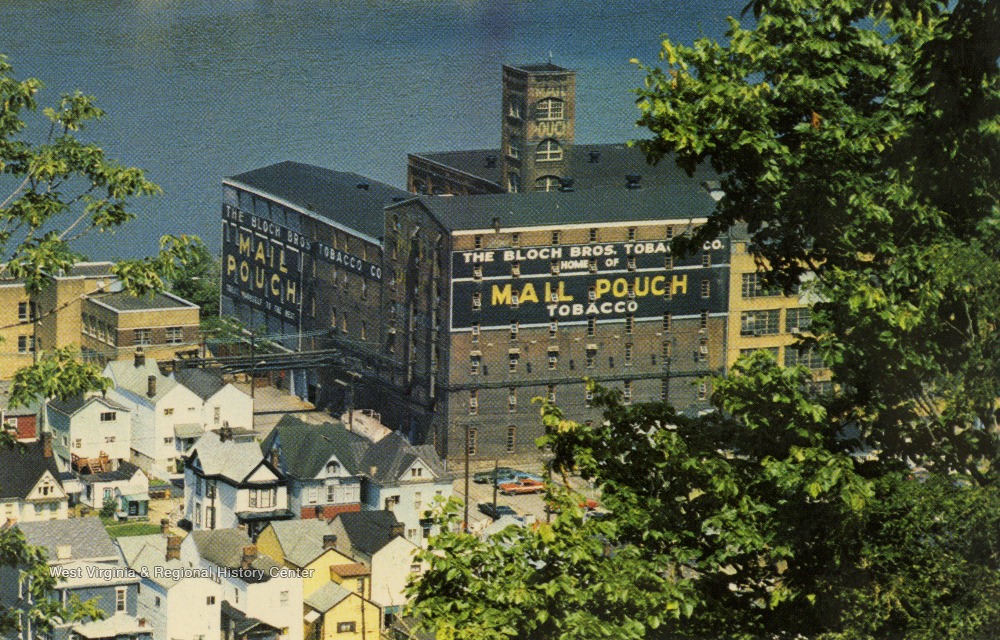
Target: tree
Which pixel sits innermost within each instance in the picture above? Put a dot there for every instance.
(198, 280)
(859, 141)
(61, 189)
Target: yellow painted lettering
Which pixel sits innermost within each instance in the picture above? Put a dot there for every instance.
(619, 288)
(656, 285)
(230, 265)
(275, 285)
(500, 296)
(290, 292)
(244, 245)
(679, 285)
(528, 293)
(602, 286)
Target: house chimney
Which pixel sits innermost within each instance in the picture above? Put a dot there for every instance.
(142, 623)
(47, 444)
(164, 526)
(398, 529)
(225, 433)
(151, 386)
(173, 548)
(329, 541)
(140, 358)
(249, 554)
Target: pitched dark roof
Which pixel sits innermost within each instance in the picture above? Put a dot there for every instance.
(71, 405)
(594, 206)
(334, 195)
(306, 447)
(224, 548)
(386, 460)
(87, 538)
(125, 471)
(206, 383)
(244, 623)
(368, 531)
(591, 166)
(22, 466)
(30, 410)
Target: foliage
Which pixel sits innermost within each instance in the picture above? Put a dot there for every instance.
(60, 374)
(859, 141)
(197, 280)
(109, 508)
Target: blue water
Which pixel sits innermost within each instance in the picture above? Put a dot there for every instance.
(196, 90)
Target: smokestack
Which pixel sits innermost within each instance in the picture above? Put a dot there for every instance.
(329, 541)
(140, 358)
(173, 548)
(249, 554)
(47, 444)
(398, 529)
(151, 386)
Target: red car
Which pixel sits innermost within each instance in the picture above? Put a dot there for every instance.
(523, 485)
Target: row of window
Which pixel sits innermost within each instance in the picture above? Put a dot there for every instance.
(794, 356)
(753, 286)
(767, 322)
(594, 236)
(547, 109)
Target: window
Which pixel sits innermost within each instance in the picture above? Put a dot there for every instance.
(591, 355)
(283, 598)
(168, 440)
(547, 183)
(772, 350)
(331, 493)
(313, 495)
(702, 390)
(591, 326)
(630, 263)
(415, 568)
(628, 355)
(629, 324)
(759, 323)
(670, 233)
(512, 399)
(588, 397)
(475, 332)
(703, 322)
(515, 269)
(477, 241)
(511, 438)
(109, 439)
(592, 265)
(473, 402)
(706, 288)
(702, 354)
(797, 320)
(175, 335)
(514, 183)
(473, 436)
(168, 411)
(591, 293)
(477, 272)
(513, 361)
(346, 627)
(78, 443)
(333, 467)
(515, 300)
(22, 311)
(809, 358)
(548, 151)
(556, 237)
(514, 146)
(631, 234)
(627, 392)
(593, 235)
(553, 360)
(706, 259)
(668, 262)
(417, 472)
(553, 328)
(554, 267)
(210, 600)
(754, 287)
(549, 109)
(108, 416)
(514, 326)
(666, 322)
(25, 344)
(156, 601)
(120, 595)
(477, 301)
(474, 364)
(551, 394)
(515, 239)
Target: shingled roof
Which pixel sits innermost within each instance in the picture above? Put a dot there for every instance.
(205, 383)
(136, 378)
(305, 448)
(232, 459)
(224, 548)
(22, 466)
(387, 460)
(71, 406)
(366, 531)
(301, 541)
(86, 538)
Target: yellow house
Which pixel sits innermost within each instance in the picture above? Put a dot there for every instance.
(336, 590)
(766, 319)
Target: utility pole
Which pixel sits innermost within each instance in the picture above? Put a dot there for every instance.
(253, 368)
(496, 469)
(466, 522)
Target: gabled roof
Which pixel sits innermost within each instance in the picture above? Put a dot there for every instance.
(74, 405)
(301, 540)
(125, 471)
(230, 459)
(305, 448)
(391, 456)
(224, 548)
(22, 466)
(366, 531)
(244, 623)
(135, 379)
(86, 537)
(327, 597)
(119, 625)
(30, 410)
(203, 382)
(146, 553)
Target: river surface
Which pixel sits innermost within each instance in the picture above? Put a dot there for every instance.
(196, 90)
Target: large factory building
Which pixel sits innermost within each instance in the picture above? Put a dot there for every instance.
(503, 275)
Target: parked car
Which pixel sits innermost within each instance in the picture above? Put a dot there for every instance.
(500, 510)
(484, 477)
(521, 486)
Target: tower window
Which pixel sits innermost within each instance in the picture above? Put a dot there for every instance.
(549, 109)
(547, 183)
(548, 151)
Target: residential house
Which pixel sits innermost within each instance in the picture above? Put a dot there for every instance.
(321, 464)
(89, 432)
(336, 606)
(222, 403)
(180, 605)
(20, 422)
(126, 485)
(89, 567)
(252, 584)
(376, 539)
(159, 405)
(405, 479)
(30, 489)
(228, 483)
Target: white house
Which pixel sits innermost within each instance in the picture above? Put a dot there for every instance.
(376, 539)
(30, 489)
(85, 428)
(180, 606)
(159, 405)
(126, 484)
(227, 483)
(405, 479)
(251, 583)
(222, 403)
